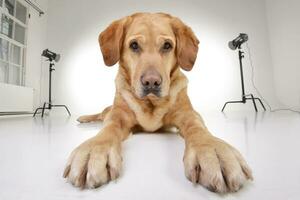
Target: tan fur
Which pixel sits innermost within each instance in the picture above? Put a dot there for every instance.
(208, 160)
(95, 117)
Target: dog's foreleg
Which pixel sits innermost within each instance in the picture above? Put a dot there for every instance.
(96, 117)
(208, 160)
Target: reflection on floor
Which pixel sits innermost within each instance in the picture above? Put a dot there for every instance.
(33, 152)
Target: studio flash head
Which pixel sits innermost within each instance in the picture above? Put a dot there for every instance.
(238, 41)
(51, 55)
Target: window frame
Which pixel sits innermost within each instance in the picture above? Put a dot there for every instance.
(11, 41)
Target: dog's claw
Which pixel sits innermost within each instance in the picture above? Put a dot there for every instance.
(66, 171)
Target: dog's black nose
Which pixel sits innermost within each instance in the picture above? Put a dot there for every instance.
(151, 82)
(151, 79)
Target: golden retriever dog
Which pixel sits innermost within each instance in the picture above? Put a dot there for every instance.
(151, 95)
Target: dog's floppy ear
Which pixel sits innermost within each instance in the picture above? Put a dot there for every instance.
(187, 44)
(110, 41)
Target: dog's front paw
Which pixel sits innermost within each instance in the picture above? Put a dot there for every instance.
(83, 119)
(94, 163)
(215, 164)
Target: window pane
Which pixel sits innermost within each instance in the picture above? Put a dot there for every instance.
(9, 6)
(14, 75)
(21, 12)
(6, 26)
(15, 54)
(3, 49)
(3, 71)
(19, 33)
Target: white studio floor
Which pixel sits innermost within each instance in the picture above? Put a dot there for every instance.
(33, 153)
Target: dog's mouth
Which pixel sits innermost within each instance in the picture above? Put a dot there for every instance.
(144, 93)
(151, 92)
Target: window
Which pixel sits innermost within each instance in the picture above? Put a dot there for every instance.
(21, 12)
(6, 26)
(9, 6)
(13, 28)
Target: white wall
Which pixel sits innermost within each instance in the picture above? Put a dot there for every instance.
(284, 32)
(86, 85)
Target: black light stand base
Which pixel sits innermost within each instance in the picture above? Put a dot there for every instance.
(244, 100)
(49, 107)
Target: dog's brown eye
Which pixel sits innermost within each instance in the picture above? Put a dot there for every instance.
(134, 46)
(167, 46)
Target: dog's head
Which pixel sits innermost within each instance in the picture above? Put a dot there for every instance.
(150, 47)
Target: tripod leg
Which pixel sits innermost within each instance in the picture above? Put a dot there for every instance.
(36, 110)
(261, 103)
(67, 110)
(230, 102)
(253, 100)
(224, 106)
(43, 111)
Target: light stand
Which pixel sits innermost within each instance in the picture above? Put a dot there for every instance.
(245, 97)
(49, 105)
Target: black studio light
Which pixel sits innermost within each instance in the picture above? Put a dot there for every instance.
(233, 45)
(238, 41)
(51, 55)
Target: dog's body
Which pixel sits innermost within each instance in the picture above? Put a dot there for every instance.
(151, 94)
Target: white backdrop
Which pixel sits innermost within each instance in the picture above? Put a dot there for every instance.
(86, 85)
(284, 31)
